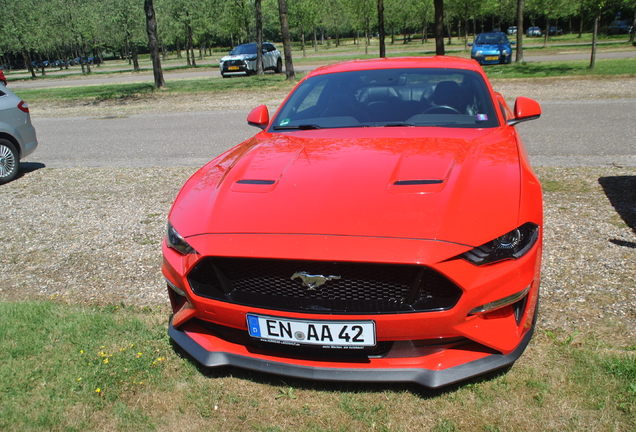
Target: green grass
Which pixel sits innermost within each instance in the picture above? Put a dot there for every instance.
(139, 90)
(605, 67)
(82, 368)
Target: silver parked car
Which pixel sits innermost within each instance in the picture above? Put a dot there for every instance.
(242, 60)
(17, 134)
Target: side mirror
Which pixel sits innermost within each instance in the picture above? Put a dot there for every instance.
(258, 117)
(525, 109)
(513, 42)
(470, 44)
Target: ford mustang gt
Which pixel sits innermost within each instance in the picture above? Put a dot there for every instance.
(385, 225)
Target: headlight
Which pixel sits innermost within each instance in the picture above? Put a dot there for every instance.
(176, 242)
(478, 54)
(512, 245)
(251, 59)
(505, 52)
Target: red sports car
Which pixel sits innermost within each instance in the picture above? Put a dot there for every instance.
(385, 225)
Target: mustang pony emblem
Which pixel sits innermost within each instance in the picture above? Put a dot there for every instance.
(313, 281)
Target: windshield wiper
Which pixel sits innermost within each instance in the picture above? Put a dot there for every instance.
(398, 124)
(298, 127)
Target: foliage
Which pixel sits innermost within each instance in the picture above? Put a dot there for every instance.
(52, 29)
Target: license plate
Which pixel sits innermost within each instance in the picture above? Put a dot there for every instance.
(492, 58)
(328, 334)
(233, 68)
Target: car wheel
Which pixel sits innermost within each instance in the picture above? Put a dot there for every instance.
(279, 66)
(9, 161)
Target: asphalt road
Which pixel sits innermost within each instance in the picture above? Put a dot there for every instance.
(569, 133)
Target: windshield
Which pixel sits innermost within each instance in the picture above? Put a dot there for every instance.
(244, 49)
(492, 38)
(387, 98)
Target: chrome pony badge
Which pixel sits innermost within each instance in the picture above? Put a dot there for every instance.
(313, 281)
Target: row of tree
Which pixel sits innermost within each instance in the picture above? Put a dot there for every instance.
(58, 29)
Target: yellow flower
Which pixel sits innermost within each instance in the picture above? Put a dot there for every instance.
(79, 379)
(105, 361)
(98, 390)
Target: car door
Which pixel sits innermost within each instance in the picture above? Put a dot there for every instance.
(269, 60)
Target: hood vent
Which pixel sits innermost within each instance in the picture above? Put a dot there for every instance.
(256, 182)
(254, 185)
(417, 182)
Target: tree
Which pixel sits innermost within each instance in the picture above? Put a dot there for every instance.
(439, 27)
(519, 54)
(284, 27)
(153, 43)
(381, 27)
(259, 37)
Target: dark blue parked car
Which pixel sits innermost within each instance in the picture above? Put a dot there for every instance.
(492, 48)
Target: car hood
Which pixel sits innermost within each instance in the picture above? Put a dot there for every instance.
(380, 182)
(238, 57)
(490, 46)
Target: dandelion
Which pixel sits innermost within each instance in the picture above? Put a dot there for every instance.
(105, 361)
(139, 354)
(79, 379)
(98, 390)
(81, 351)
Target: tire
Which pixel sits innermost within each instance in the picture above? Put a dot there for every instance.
(279, 66)
(9, 161)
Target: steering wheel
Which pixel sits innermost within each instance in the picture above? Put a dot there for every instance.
(441, 109)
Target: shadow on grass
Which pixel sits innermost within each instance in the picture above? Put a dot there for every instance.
(621, 191)
(333, 386)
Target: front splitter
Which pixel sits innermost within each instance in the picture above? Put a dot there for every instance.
(425, 377)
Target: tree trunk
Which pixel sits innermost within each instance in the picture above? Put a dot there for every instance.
(519, 58)
(381, 27)
(284, 26)
(259, 37)
(315, 40)
(631, 36)
(547, 32)
(367, 37)
(593, 56)
(439, 27)
(302, 39)
(153, 43)
(135, 58)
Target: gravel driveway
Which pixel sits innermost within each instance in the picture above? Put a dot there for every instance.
(93, 235)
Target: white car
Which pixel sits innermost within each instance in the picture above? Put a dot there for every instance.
(242, 60)
(17, 134)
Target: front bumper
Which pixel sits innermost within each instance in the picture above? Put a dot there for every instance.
(491, 59)
(212, 351)
(238, 67)
(429, 348)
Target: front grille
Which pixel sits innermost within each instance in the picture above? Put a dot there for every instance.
(360, 288)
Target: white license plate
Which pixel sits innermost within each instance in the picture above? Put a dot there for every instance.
(329, 334)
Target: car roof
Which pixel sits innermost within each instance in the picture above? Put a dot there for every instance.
(400, 62)
(253, 43)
